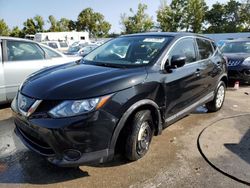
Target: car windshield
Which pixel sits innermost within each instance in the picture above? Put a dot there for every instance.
(236, 47)
(76, 47)
(133, 50)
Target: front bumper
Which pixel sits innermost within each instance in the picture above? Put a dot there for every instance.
(68, 141)
(239, 73)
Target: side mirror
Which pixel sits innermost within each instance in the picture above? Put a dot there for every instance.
(178, 61)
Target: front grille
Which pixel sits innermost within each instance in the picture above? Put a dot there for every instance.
(233, 63)
(36, 144)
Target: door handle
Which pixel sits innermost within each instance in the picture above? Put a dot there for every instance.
(198, 72)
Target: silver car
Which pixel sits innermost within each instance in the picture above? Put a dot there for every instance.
(19, 58)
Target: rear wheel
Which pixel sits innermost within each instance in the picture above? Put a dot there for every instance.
(139, 135)
(219, 98)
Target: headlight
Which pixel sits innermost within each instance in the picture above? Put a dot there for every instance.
(246, 62)
(76, 107)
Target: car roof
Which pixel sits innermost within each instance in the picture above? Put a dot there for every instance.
(15, 38)
(173, 34)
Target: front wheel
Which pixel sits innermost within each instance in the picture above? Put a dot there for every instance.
(219, 98)
(139, 135)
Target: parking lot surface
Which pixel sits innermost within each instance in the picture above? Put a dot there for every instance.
(201, 150)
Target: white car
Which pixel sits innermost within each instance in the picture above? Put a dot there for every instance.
(19, 58)
(60, 46)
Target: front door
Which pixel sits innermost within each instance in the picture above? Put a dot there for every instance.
(22, 59)
(182, 86)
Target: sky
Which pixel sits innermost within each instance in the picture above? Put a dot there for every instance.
(15, 12)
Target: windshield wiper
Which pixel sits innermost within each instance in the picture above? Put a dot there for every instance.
(110, 65)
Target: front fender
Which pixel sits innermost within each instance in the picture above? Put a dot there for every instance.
(126, 115)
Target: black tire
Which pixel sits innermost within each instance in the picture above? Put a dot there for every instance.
(212, 106)
(135, 149)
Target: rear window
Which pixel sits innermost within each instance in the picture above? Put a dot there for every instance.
(205, 48)
(52, 45)
(63, 44)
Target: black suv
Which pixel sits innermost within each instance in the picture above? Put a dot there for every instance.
(238, 54)
(118, 97)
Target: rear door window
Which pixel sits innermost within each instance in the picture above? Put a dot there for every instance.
(205, 48)
(23, 51)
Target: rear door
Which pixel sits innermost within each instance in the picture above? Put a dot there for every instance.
(183, 85)
(2, 85)
(21, 58)
(207, 66)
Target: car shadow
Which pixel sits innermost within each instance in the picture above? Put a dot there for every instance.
(20, 165)
(118, 160)
(242, 149)
(3, 106)
(28, 167)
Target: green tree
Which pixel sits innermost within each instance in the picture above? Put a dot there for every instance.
(4, 29)
(33, 25)
(228, 18)
(232, 17)
(245, 15)
(39, 23)
(72, 25)
(29, 27)
(93, 22)
(63, 24)
(171, 17)
(53, 24)
(16, 32)
(215, 19)
(195, 15)
(138, 22)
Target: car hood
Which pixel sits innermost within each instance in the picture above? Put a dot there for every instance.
(238, 56)
(80, 81)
